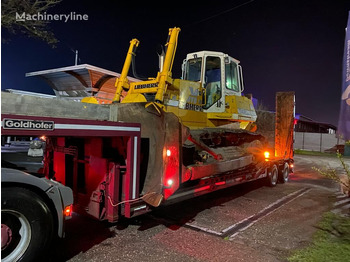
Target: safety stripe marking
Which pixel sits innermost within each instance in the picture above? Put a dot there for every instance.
(134, 169)
(96, 127)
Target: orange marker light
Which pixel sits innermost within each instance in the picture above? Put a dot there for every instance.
(267, 154)
(68, 211)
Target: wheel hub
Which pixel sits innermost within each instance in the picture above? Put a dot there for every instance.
(6, 236)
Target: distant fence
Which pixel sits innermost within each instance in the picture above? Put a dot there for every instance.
(316, 141)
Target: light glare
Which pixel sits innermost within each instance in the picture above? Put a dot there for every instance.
(170, 182)
(267, 154)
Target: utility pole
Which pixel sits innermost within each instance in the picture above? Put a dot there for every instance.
(76, 57)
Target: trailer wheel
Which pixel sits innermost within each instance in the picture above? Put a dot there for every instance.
(26, 225)
(272, 177)
(284, 173)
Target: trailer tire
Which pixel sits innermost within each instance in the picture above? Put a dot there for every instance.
(284, 173)
(272, 176)
(26, 225)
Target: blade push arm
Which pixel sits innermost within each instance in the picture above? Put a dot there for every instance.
(165, 76)
(122, 81)
(156, 86)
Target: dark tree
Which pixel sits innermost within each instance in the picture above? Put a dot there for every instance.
(31, 28)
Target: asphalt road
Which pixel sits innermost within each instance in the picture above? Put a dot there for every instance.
(248, 222)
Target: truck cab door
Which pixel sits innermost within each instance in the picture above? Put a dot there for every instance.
(213, 82)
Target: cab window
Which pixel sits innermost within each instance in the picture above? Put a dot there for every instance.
(212, 80)
(231, 76)
(193, 69)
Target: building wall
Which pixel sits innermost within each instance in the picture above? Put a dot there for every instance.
(316, 141)
(314, 127)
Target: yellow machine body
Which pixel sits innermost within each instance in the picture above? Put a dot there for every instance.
(208, 95)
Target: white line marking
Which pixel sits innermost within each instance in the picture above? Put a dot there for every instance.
(338, 203)
(346, 206)
(204, 229)
(269, 206)
(340, 209)
(263, 210)
(296, 193)
(341, 196)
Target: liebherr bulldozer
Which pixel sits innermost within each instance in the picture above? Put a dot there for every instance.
(207, 99)
(209, 94)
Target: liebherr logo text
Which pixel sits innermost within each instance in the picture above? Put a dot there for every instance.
(28, 124)
(146, 86)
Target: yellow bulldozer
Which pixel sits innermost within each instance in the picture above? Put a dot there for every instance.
(209, 94)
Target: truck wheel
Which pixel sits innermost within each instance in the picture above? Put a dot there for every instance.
(284, 173)
(26, 225)
(272, 177)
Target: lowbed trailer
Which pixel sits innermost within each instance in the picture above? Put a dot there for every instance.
(104, 161)
(129, 147)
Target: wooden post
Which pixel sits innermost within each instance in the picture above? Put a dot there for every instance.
(285, 104)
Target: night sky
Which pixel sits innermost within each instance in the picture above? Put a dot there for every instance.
(289, 45)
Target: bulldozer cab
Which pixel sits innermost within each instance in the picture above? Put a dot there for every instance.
(220, 75)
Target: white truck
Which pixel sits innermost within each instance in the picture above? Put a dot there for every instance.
(33, 212)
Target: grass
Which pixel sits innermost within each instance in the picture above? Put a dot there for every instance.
(313, 153)
(331, 242)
